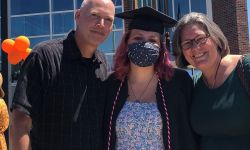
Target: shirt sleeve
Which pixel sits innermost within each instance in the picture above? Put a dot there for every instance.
(29, 86)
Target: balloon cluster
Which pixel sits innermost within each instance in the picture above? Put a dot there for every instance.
(17, 50)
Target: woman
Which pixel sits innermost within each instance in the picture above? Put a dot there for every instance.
(220, 106)
(147, 101)
(4, 117)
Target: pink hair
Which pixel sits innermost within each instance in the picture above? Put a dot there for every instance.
(122, 63)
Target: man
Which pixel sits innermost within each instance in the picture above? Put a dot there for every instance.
(57, 103)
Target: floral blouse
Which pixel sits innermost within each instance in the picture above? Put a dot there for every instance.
(139, 127)
(4, 123)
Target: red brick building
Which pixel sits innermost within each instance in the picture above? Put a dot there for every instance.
(230, 15)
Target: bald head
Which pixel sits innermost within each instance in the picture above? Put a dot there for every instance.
(87, 3)
(94, 22)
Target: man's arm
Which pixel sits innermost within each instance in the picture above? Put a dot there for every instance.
(20, 126)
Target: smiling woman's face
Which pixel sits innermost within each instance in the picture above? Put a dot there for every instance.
(198, 47)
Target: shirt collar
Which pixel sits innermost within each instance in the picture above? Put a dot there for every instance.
(71, 50)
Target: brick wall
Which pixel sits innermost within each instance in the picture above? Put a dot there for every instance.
(128, 5)
(242, 21)
(231, 16)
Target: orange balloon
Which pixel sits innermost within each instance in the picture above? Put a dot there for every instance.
(14, 57)
(7, 45)
(26, 53)
(22, 43)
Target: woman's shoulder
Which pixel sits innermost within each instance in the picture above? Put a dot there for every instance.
(245, 62)
(234, 60)
(246, 59)
(180, 77)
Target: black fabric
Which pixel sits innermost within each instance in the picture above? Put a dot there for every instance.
(242, 72)
(177, 93)
(147, 18)
(221, 116)
(51, 83)
(143, 53)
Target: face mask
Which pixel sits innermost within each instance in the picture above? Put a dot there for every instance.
(143, 54)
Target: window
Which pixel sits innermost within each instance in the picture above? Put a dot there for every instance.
(60, 5)
(36, 40)
(112, 42)
(170, 8)
(110, 45)
(117, 2)
(79, 3)
(29, 6)
(30, 25)
(162, 5)
(107, 46)
(118, 23)
(58, 36)
(198, 6)
(152, 3)
(181, 7)
(117, 35)
(147, 3)
(63, 22)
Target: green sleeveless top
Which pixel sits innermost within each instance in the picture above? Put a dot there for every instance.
(221, 116)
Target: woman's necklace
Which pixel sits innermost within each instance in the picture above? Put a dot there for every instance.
(215, 76)
(143, 91)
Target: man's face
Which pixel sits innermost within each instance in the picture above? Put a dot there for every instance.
(95, 21)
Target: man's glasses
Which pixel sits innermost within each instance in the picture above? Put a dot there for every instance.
(199, 41)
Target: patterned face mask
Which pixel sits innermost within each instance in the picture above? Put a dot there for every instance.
(143, 54)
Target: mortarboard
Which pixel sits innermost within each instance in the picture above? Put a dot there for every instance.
(148, 19)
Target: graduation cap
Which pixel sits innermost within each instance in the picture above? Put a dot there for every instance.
(148, 19)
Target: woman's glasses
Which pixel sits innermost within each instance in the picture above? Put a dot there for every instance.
(199, 41)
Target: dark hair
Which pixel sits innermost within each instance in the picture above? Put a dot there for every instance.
(211, 28)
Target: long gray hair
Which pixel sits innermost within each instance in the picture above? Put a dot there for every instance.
(208, 26)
